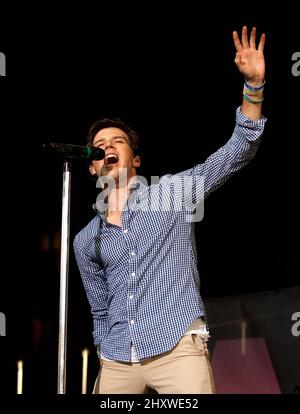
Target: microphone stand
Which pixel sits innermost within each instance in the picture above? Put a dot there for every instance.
(68, 152)
(64, 277)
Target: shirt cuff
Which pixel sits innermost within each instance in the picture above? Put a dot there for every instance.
(100, 330)
(99, 352)
(244, 121)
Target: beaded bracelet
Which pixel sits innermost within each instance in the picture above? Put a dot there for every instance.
(247, 97)
(258, 93)
(254, 88)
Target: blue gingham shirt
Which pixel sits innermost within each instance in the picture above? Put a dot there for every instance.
(141, 279)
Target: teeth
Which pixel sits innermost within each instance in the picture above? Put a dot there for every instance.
(111, 158)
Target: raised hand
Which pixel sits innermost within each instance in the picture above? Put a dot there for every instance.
(249, 59)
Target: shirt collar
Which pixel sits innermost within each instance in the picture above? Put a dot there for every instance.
(137, 186)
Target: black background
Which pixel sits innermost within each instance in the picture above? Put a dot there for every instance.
(169, 72)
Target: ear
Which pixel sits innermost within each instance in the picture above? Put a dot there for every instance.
(92, 170)
(136, 161)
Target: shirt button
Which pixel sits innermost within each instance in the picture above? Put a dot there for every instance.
(132, 321)
(133, 274)
(132, 253)
(131, 297)
(125, 231)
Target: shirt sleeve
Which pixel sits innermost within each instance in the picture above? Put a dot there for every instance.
(93, 279)
(200, 181)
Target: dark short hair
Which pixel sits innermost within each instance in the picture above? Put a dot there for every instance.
(133, 137)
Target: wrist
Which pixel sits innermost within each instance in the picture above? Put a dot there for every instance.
(255, 81)
(254, 93)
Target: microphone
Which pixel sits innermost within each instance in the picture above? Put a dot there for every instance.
(74, 152)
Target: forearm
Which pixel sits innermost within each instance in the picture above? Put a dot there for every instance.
(227, 160)
(93, 279)
(252, 100)
(252, 111)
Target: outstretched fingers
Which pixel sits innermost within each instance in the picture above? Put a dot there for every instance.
(244, 44)
(262, 42)
(245, 37)
(237, 42)
(253, 38)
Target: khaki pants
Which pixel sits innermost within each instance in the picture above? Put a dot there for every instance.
(183, 370)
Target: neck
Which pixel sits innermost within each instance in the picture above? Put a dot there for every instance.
(118, 196)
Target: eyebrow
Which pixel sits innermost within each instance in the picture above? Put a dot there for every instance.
(114, 138)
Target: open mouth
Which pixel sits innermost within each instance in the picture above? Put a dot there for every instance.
(111, 159)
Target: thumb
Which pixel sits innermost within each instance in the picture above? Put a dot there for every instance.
(237, 59)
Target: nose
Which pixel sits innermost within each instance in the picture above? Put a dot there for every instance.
(109, 144)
